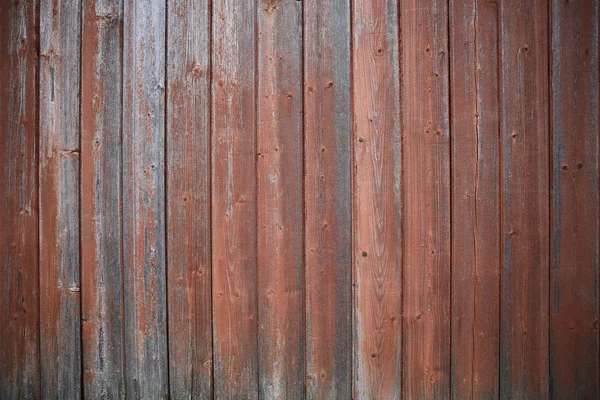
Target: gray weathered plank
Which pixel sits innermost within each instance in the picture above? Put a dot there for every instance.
(144, 227)
(188, 199)
(19, 334)
(60, 42)
(280, 201)
(101, 267)
(328, 201)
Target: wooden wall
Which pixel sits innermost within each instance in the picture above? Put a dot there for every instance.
(323, 199)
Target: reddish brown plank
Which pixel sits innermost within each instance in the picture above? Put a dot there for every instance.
(328, 201)
(426, 137)
(475, 199)
(101, 268)
(575, 215)
(60, 325)
(144, 247)
(525, 198)
(19, 284)
(188, 199)
(234, 199)
(280, 200)
(377, 204)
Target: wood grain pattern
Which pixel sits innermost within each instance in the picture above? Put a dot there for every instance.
(234, 200)
(101, 252)
(281, 334)
(60, 324)
(525, 199)
(475, 199)
(426, 137)
(188, 199)
(19, 282)
(377, 202)
(327, 199)
(144, 227)
(575, 204)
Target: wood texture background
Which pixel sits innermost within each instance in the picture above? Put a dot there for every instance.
(333, 199)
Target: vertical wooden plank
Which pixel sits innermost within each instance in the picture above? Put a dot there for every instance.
(575, 215)
(328, 201)
(280, 200)
(60, 339)
(377, 204)
(101, 268)
(525, 197)
(426, 136)
(144, 199)
(188, 199)
(475, 199)
(19, 353)
(234, 199)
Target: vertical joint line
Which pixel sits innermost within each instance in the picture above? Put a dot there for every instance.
(166, 190)
(450, 136)
(81, 294)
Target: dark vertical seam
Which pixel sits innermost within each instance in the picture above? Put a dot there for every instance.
(166, 189)
(550, 194)
(499, 98)
(121, 219)
(402, 196)
(353, 362)
(210, 191)
(303, 200)
(256, 207)
(81, 379)
(449, 99)
(37, 141)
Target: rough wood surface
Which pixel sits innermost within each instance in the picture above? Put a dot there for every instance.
(101, 267)
(281, 334)
(327, 199)
(426, 140)
(575, 204)
(524, 199)
(60, 324)
(475, 199)
(377, 201)
(19, 334)
(234, 199)
(188, 199)
(144, 227)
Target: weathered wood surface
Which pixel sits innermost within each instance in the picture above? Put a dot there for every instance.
(19, 333)
(475, 199)
(234, 219)
(377, 201)
(101, 251)
(59, 133)
(426, 166)
(327, 199)
(524, 140)
(575, 225)
(279, 169)
(188, 199)
(288, 199)
(144, 228)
